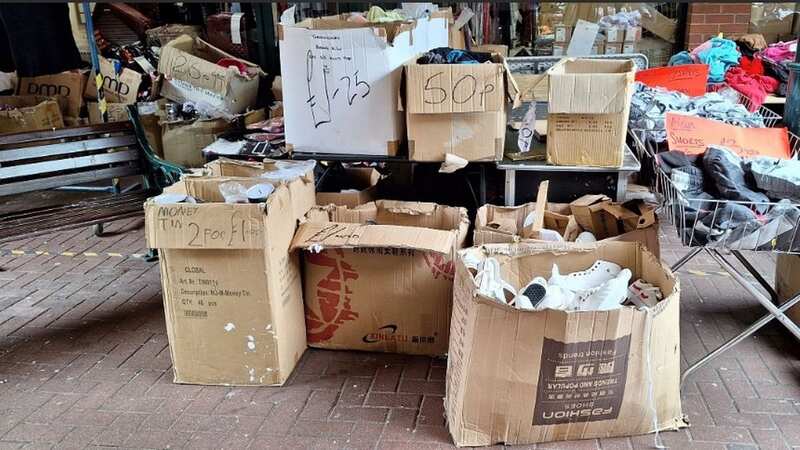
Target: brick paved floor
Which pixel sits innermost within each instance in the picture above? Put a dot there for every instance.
(84, 363)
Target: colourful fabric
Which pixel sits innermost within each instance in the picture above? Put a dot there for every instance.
(378, 14)
(754, 87)
(680, 59)
(720, 55)
(753, 66)
(782, 51)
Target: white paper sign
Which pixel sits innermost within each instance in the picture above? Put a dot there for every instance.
(525, 136)
(583, 37)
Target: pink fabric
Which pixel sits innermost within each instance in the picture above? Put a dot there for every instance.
(754, 87)
(781, 51)
(700, 48)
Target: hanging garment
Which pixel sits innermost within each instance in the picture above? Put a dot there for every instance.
(40, 38)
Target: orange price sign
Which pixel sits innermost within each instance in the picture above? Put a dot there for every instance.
(692, 135)
(689, 79)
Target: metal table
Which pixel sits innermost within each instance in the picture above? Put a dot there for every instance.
(566, 175)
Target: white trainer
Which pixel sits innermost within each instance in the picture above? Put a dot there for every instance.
(532, 294)
(610, 295)
(557, 298)
(600, 272)
(491, 284)
(585, 237)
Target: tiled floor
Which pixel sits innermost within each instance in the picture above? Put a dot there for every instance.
(84, 363)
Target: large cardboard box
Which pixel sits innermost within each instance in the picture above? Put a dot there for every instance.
(29, 113)
(301, 186)
(117, 112)
(379, 277)
(232, 292)
(341, 81)
(69, 85)
(522, 377)
(458, 108)
(360, 186)
(589, 103)
(505, 224)
(191, 73)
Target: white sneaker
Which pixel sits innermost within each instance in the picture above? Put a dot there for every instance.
(585, 237)
(491, 284)
(557, 298)
(610, 295)
(532, 294)
(600, 272)
(550, 235)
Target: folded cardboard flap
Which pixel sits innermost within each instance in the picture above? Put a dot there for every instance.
(328, 235)
(234, 168)
(590, 86)
(210, 225)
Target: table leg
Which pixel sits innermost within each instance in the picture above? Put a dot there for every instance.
(511, 176)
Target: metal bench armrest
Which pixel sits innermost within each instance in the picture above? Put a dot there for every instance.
(160, 173)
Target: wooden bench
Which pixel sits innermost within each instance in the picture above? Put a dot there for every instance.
(77, 156)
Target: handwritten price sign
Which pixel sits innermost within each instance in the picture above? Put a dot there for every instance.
(689, 79)
(692, 135)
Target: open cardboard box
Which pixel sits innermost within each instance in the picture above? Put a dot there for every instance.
(523, 377)
(232, 290)
(460, 109)
(349, 187)
(379, 277)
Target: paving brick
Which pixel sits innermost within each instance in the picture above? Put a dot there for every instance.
(321, 428)
(359, 413)
(37, 432)
(393, 400)
(422, 387)
(723, 434)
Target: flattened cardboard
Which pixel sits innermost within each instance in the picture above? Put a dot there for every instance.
(509, 371)
(341, 82)
(30, 113)
(379, 276)
(120, 87)
(69, 85)
(117, 112)
(191, 73)
(301, 189)
(232, 291)
(365, 189)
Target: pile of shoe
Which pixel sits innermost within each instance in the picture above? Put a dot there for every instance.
(601, 287)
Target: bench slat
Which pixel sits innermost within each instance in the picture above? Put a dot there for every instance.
(58, 165)
(67, 180)
(19, 154)
(62, 133)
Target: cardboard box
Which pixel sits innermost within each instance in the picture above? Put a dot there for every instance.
(589, 103)
(232, 291)
(379, 277)
(161, 36)
(787, 282)
(359, 186)
(613, 48)
(563, 33)
(458, 108)
(341, 81)
(633, 34)
(122, 87)
(69, 85)
(184, 140)
(560, 48)
(614, 35)
(504, 224)
(629, 47)
(512, 374)
(501, 50)
(31, 112)
(117, 112)
(191, 73)
(301, 188)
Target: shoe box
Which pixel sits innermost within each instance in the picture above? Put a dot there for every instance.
(379, 277)
(523, 377)
(232, 291)
(630, 222)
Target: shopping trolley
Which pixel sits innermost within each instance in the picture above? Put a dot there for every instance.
(704, 226)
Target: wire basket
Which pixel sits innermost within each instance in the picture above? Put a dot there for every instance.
(716, 223)
(770, 117)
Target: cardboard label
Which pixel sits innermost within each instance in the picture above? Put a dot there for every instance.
(581, 381)
(689, 79)
(69, 85)
(219, 225)
(692, 135)
(447, 88)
